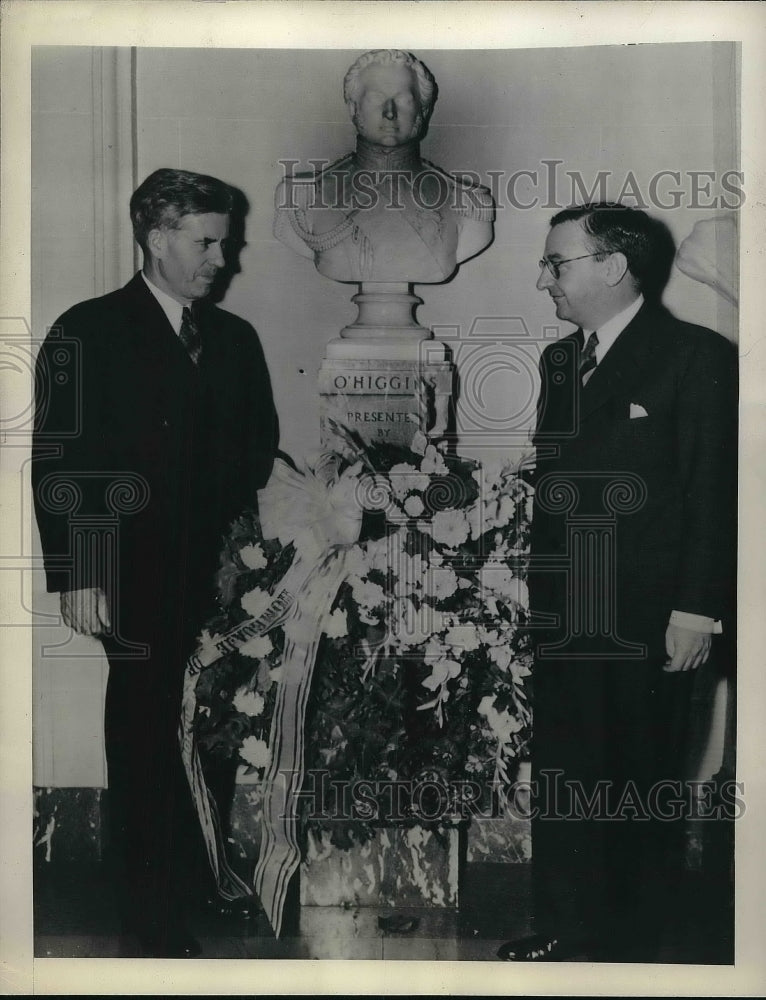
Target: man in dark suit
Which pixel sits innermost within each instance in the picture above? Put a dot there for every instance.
(145, 450)
(632, 574)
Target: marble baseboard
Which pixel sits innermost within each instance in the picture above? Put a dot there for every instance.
(68, 825)
(403, 867)
(500, 840)
(399, 866)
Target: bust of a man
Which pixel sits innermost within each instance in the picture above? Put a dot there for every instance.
(382, 213)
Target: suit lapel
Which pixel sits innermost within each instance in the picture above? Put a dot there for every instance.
(155, 340)
(555, 401)
(625, 362)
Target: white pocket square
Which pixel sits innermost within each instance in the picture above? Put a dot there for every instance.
(637, 410)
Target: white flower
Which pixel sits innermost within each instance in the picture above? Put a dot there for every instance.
(520, 669)
(449, 527)
(500, 581)
(463, 637)
(405, 478)
(248, 702)
(433, 462)
(419, 443)
(379, 554)
(441, 582)
(490, 637)
(492, 474)
(255, 752)
(436, 649)
(275, 674)
(413, 505)
(357, 561)
(258, 647)
(475, 517)
(486, 705)
(253, 556)
(441, 672)
(501, 656)
(506, 510)
(336, 625)
(366, 593)
(491, 512)
(502, 724)
(368, 596)
(255, 602)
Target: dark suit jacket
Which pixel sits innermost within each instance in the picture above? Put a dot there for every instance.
(118, 399)
(672, 500)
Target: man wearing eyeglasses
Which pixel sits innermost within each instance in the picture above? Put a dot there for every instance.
(632, 575)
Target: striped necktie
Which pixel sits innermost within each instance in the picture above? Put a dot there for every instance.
(189, 334)
(588, 358)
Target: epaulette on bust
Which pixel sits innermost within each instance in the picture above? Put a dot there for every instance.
(471, 199)
(298, 191)
(312, 176)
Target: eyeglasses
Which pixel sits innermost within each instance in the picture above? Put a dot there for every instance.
(554, 266)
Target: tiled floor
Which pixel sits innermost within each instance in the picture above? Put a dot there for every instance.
(74, 918)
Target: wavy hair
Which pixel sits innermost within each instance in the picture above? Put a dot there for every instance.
(614, 228)
(167, 195)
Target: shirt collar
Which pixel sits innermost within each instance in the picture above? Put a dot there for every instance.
(611, 330)
(172, 309)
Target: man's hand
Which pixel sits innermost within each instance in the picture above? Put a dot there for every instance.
(86, 611)
(686, 648)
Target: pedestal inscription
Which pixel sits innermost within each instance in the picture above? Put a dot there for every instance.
(383, 400)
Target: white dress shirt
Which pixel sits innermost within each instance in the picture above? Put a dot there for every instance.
(172, 309)
(611, 330)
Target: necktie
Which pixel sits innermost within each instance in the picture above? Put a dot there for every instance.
(588, 358)
(189, 335)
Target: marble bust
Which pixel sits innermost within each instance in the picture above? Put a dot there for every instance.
(382, 213)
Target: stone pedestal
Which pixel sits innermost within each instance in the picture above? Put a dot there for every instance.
(385, 377)
(386, 311)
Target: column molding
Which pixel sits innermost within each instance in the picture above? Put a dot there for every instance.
(114, 160)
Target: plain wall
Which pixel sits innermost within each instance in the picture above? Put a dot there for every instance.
(238, 113)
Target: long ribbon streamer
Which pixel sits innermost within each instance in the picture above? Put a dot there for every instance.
(303, 605)
(280, 853)
(317, 511)
(230, 885)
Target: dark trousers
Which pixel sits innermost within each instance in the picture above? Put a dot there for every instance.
(608, 739)
(156, 846)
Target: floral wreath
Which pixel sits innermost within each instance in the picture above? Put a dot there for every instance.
(421, 675)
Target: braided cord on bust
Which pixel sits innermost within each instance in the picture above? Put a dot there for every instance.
(319, 242)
